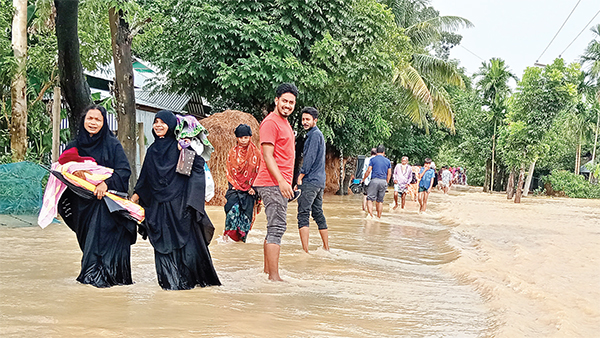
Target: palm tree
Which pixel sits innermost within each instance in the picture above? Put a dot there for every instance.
(425, 76)
(492, 83)
(591, 59)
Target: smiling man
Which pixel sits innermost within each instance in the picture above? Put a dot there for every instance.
(274, 180)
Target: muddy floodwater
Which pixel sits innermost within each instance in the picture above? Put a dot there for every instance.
(406, 275)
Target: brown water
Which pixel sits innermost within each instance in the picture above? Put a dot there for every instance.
(381, 278)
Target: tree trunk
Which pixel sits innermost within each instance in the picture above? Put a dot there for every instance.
(493, 157)
(75, 88)
(56, 124)
(18, 90)
(124, 93)
(342, 175)
(520, 185)
(578, 155)
(529, 178)
(488, 169)
(595, 144)
(510, 185)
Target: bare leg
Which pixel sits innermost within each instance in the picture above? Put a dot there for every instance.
(396, 200)
(425, 195)
(325, 237)
(272, 260)
(370, 208)
(420, 201)
(266, 262)
(379, 207)
(304, 238)
(403, 198)
(365, 203)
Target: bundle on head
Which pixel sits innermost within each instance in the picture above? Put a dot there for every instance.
(221, 127)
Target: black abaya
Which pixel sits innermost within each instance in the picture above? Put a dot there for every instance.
(105, 238)
(176, 222)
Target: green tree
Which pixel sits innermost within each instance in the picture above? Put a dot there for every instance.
(426, 76)
(541, 95)
(492, 83)
(591, 60)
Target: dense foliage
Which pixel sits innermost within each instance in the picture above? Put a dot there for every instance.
(572, 185)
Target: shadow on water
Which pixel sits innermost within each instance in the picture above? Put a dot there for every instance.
(381, 278)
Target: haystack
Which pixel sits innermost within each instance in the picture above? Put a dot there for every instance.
(221, 127)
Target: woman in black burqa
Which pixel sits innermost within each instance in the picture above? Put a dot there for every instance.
(104, 237)
(176, 222)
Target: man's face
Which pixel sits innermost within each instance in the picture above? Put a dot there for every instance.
(405, 160)
(426, 165)
(285, 104)
(244, 140)
(308, 121)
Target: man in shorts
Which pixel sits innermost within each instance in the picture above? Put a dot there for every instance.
(402, 178)
(446, 179)
(367, 180)
(380, 169)
(274, 180)
(427, 175)
(312, 180)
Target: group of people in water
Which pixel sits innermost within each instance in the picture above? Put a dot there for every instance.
(416, 181)
(169, 195)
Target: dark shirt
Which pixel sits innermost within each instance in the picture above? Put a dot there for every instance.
(380, 166)
(313, 164)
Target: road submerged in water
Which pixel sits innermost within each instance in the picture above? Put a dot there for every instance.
(384, 278)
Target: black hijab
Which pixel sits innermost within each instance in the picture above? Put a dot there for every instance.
(158, 179)
(105, 148)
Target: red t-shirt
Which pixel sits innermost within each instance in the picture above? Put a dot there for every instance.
(277, 131)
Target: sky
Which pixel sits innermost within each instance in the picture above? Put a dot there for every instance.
(518, 31)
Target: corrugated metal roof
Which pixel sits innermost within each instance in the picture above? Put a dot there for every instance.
(173, 102)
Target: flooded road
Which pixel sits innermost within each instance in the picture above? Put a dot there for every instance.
(385, 278)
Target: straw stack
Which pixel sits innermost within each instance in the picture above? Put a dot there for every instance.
(221, 127)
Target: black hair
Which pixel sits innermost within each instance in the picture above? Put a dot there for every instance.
(312, 111)
(286, 88)
(427, 160)
(380, 149)
(373, 151)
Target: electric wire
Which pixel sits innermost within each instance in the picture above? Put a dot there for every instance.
(477, 56)
(561, 27)
(584, 28)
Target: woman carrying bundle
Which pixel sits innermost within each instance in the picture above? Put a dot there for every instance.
(104, 237)
(176, 223)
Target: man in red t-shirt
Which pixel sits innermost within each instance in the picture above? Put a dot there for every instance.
(274, 180)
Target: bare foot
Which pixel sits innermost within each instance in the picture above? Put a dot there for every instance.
(275, 278)
(395, 207)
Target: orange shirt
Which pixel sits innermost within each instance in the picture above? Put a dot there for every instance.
(277, 131)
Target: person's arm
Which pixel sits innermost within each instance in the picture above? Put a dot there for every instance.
(300, 177)
(389, 174)
(431, 183)
(286, 189)
(367, 173)
(308, 156)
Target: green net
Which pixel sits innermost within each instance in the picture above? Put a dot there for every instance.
(21, 188)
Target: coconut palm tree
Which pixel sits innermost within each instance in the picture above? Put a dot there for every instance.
(492, 82)
(591, 61)
(425, 76)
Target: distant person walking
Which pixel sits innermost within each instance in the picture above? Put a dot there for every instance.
(427, 176)
(274, 180)
(367, 180)
(446, 179)
(380, 169)
(402, 178)
(311, 180)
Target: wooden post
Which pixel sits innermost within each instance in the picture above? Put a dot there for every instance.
(141, 141)
(56, 124)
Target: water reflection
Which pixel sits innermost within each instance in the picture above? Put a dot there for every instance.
(381, 278)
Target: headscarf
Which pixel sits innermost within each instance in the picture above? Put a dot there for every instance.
(105, 148)
(158, 177)
(243, 130)
(242, 166)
